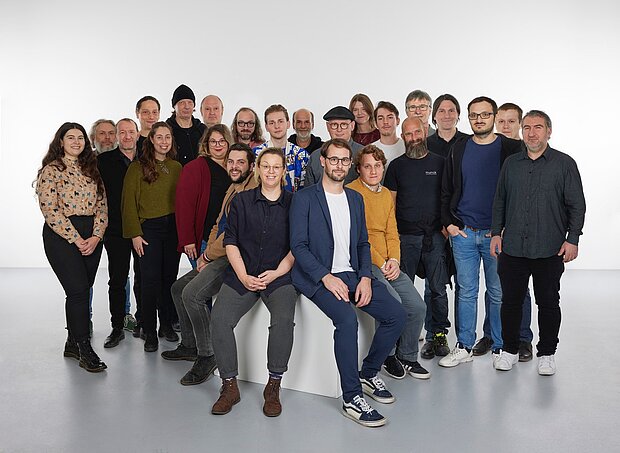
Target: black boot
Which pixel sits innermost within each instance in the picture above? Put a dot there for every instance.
(203, 368)
(71, 348)
(151, 342)
(89, 360)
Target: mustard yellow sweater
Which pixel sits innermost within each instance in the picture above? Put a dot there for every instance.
(380, 222)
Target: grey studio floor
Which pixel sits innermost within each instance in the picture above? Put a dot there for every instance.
(49, 404)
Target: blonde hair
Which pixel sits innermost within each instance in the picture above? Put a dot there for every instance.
(270, 151)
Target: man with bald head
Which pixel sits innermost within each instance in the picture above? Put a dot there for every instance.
(414, 180)
(211, 109)
(303, 123)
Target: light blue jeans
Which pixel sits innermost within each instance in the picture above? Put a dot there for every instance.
(402, 289)
(468, 252)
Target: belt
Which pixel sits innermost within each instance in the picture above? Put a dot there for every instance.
(476, 230)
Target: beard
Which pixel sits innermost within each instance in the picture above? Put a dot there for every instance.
(104, 149)
(483, 132)
(304, 135)
(245, 134)
(416, 149)
(336, 178)
(242, 177)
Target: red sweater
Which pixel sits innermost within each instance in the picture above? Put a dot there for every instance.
(192, 201)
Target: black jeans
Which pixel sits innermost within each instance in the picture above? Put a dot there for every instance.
(159, 267)
(75, 272)
(119, 252)
(514, 274)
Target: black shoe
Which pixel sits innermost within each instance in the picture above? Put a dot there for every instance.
(416, 370)
(203, 368)
(114, 338)
(482, 346)
(525, 351)
(168, 333)
(440, 343)
(151, 342)
(137, 331)
(176, 326)
(428, 350)
(394, 368)
(181, 352)
(89, 360)
(71, 348)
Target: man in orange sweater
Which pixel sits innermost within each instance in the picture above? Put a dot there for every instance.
(385, 254)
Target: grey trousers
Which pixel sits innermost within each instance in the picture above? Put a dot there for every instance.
(230, 308)
(190, 294)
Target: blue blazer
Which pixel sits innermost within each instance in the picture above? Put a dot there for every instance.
(312, 239)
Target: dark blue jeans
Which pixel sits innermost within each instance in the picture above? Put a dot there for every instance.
(384, 308)
(159, 266)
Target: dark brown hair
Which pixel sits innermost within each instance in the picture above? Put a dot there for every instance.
(147, 159)
(86, 160)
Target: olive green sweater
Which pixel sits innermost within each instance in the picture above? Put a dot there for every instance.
(142, 201)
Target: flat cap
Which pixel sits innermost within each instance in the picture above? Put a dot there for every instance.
(339, 113)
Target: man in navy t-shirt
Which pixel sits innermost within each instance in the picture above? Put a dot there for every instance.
(468, 188)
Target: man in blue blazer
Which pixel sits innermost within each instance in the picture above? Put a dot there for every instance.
(332, 267)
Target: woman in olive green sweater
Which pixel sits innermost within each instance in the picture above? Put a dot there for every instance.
(148, 219)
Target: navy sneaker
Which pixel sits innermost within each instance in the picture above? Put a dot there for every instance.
(375, 388)
(360, 412)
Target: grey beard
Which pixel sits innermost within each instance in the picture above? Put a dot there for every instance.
(416, 150)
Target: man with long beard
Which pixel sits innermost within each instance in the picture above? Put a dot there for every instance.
(468, 187)
(415, 182)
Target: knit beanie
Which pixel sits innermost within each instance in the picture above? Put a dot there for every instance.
(182, 92)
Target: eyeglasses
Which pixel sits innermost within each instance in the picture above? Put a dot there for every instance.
(421, 107)
(334, 160)
(483, 115)
(334, 126)
(218, 142)
(245, 123)
(274, 168)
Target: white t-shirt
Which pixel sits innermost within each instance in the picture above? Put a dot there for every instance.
(391, 151)
(341, 227)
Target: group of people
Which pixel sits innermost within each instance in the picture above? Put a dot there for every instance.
(349, 223)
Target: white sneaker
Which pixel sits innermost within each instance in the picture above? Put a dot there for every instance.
(504, 361)
(456, 356)
(546, 365)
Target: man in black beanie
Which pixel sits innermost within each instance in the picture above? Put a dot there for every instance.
(187, 130)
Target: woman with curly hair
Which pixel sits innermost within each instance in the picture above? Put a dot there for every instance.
(148, 220)
(73, 202)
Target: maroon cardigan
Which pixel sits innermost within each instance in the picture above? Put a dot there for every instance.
(192, 201)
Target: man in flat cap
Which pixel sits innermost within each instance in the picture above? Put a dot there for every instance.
(186, 129)
(339, 121)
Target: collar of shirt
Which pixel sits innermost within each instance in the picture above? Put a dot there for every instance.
(547, 153)
(370, 188)
(258, 196)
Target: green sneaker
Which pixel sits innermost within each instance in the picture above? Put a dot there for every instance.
(440, 343)
(130, 322)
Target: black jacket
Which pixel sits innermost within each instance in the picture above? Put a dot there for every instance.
(112, 167)
(186, 140)
(452, 182)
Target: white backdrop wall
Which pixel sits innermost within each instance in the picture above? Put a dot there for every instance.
(80, 61)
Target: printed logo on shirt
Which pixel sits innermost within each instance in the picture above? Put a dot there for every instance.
(430, 173)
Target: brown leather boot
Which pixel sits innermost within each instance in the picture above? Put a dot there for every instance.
(229, 396)
(272, 406)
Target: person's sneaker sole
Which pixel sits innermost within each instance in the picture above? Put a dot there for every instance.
(369, 424)
(452, 364)
(420, 376)
(379, 399)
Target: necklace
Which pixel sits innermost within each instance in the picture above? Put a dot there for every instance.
(163, 167)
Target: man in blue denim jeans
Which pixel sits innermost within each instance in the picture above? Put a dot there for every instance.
(468, 187)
